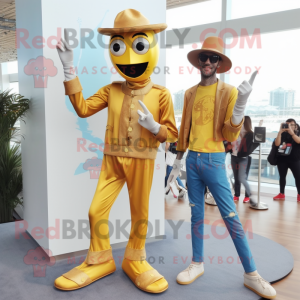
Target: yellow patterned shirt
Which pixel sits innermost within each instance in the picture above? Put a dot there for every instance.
(201, 134)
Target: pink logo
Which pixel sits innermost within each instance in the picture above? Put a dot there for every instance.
(40, 68)
(94, 166)
(39, 260)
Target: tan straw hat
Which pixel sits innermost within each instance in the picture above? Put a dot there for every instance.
(131, 20)
(211, 44)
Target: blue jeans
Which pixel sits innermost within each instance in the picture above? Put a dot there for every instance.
(169, 169)
(208, 169)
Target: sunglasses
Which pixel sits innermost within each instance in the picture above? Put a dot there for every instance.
(212, 58)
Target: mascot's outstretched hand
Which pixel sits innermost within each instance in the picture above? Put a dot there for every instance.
(146, 119)
(66, 56)
(245, 89)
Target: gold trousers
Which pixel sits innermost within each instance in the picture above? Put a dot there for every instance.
(115, 171)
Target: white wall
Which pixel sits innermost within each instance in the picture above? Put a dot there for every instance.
(55, 186)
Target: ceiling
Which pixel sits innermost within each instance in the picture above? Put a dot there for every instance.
(8, 51)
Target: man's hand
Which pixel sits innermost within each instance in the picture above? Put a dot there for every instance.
(174, 173)
(146, 119)
(244, 89)
(66, 56)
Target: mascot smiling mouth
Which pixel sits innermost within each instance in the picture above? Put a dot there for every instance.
(133, 70)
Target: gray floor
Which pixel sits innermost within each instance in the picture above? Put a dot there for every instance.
(220, 280)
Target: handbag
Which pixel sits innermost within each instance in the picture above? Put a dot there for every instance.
(272, 157)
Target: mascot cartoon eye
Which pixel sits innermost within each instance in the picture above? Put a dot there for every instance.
(117, 47)
(140, 45)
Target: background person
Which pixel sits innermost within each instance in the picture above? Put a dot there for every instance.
(170, 158)
(166, 150)
(229, 173)
(241, 161)
(292, 161)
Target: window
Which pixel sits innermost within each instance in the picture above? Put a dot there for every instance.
(14, 86)
(12, 67)
(245, 8)
(194, 14)
(276, 92)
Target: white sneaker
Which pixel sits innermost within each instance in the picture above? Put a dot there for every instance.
(259, 286)
(182, 193)
(191, 273)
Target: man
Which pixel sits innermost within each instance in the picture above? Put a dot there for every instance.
(131, 142)
(213, 111)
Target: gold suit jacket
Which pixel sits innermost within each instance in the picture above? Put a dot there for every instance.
(224, 129)
(124, 136)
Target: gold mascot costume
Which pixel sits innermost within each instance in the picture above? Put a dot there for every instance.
(130, 149)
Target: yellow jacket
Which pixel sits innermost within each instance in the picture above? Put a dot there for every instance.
(124, 136)
(224, 129)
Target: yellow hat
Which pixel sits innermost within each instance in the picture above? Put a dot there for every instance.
(131, 20)
(211, 44)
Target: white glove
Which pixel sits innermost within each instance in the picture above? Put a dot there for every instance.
(66, 56)
(146, 119)
(245, 89)
(174, 173)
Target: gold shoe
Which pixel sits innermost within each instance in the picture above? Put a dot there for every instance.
(148, 281)
(77, 278)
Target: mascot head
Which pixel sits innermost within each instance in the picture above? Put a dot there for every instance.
(133, 47)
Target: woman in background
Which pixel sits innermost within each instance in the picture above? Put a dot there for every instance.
(240, 160)
(288, 135)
